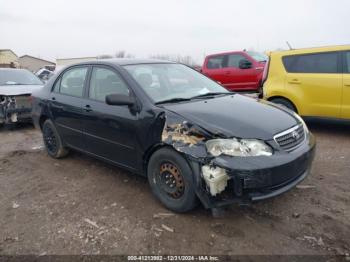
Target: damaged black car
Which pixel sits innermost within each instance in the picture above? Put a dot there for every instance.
(16, 87)
(193, 139)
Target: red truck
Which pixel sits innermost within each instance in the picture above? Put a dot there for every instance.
(236, 71)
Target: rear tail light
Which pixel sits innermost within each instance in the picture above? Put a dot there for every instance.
(265, 72)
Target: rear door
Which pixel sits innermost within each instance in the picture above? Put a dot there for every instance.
(109, 131)
(315, 80)
(345, 112)
(214, 68)
(66, 104)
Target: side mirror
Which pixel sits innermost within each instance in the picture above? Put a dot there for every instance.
(119, 100)
(245, 64)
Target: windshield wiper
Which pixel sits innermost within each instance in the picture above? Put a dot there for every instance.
(173, 100)
(181, 99)
(212, 94)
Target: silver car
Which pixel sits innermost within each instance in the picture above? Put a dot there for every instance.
(16, 87)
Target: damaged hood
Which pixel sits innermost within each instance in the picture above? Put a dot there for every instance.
(236, 116)
(15, 90)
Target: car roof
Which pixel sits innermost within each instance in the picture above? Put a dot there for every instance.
(125, 61)
(228, 53)
(312, 50)
(13, 69)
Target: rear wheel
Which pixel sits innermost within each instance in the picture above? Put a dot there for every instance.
(260, 92)
(284, 102)
(171, 180)
(53, 141)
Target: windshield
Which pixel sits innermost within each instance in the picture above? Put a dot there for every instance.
(18, 77)
(260, 57)
(164, 82)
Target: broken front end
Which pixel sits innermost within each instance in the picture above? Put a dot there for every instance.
(231, 170)
(15, 109)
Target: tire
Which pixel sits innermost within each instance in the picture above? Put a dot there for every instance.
(166, 165)
(53, 141)
(285, 103)
(10, 126)
(260, 92)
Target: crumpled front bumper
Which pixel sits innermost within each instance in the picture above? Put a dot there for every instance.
(258, 178)
(14, 111)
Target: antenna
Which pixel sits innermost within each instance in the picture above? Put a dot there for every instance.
(290, 47)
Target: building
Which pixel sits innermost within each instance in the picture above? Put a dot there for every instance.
(69, 61)
(34, 63)
(8, 58)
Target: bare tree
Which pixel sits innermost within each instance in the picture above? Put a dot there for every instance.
(104, 56)
(120, 54)
(123, 54)
(187, 60)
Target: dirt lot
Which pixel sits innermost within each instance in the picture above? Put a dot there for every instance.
(79, 205)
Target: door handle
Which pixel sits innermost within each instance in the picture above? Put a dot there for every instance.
(227, 73)
(88, 108)
(347, 85)
(58, 108)
(294, 81)
(259, 68)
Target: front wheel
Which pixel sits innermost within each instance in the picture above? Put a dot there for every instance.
(53, 141)
(171, 180)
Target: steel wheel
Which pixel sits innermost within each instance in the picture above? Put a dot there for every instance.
(50, 140)
(171, 180)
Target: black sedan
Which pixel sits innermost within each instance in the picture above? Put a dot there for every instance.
(192, 138)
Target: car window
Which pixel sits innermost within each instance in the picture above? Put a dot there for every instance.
(347, 57)
(312, 63)
(72, 82)
(44, 73)
(56, 87)
(258, 56)
(216, 62)
(106, 82)
(233, 60)
(169, 81)
(18, 77)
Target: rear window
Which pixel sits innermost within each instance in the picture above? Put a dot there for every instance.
(216, 62)
(312, 63)
(72, 82)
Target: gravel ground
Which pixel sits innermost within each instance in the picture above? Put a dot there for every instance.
(79, 205)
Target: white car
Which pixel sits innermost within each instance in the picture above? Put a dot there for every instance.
(16, 87)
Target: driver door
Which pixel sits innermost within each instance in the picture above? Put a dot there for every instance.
(237, 78)
(109, 131)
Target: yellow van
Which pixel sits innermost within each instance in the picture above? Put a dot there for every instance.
(312, 82)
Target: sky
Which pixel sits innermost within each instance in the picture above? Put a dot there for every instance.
(77, 28)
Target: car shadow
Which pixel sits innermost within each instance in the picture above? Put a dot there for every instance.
(16, 127)
(334, 127)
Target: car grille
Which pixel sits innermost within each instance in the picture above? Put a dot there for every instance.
(23, 101)
(291, 138)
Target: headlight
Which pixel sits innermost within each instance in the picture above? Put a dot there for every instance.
(235, 147)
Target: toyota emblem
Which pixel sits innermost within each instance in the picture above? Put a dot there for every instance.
(295, 135)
